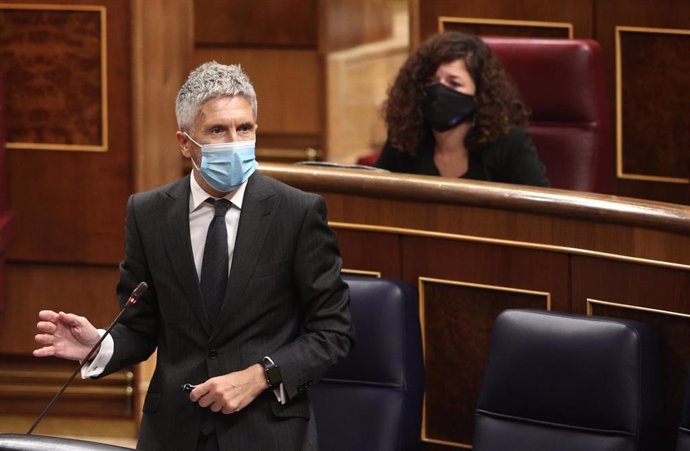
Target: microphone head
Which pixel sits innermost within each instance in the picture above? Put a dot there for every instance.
(139, 290)
(136, 293)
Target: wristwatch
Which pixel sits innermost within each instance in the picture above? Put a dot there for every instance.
(272, 372)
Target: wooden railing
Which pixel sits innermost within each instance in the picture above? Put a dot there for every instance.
(474, 249)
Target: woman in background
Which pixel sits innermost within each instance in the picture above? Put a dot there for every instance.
(452, 112)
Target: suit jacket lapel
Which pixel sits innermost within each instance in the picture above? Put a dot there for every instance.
(255, 218)
(178, 243)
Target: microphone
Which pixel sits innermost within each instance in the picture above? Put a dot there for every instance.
(131, 300)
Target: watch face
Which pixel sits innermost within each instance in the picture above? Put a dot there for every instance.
(272, 371)
(273, 376)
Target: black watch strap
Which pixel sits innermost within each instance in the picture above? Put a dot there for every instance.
(272, 372)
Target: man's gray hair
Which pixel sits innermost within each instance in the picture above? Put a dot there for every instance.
(206, 82)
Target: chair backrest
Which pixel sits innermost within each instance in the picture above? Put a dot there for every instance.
(571, 383)
(372, 400)
(684, 429)
(564, 84)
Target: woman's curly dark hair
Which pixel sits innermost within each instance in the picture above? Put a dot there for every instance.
(497, 100)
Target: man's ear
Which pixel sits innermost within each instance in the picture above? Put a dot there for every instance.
(184, 143)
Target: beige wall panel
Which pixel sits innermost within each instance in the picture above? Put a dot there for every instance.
(358, 83)
(162, 34)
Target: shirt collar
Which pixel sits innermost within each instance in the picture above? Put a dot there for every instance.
(199, 196)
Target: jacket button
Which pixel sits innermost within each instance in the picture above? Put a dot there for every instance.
(212, 354)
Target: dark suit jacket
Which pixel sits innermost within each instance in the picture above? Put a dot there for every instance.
(285, 299)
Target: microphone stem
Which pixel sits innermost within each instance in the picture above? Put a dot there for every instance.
(86, 359)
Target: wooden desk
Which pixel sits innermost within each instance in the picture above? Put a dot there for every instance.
(474, 249)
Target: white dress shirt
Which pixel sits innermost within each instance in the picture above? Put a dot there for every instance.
(201, 214)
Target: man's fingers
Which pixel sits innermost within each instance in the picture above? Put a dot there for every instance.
(227, 410)
(71, 319)
(204, 401)
(207, 395)
(199, 392)
(44, 339)
(46, 327)
(47, 351)
(216, 406)
(48, 315)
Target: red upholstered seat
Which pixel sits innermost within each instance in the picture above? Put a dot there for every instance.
(563, 82)
(369, 160)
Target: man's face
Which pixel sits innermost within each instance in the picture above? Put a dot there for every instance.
(220, 120)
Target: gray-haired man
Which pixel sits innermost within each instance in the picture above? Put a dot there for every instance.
(245, 348)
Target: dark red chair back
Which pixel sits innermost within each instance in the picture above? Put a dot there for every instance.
(563, 82)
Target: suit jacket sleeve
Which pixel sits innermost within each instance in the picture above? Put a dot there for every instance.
(135, 341)
(324, 303)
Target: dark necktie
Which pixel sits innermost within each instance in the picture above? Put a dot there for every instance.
(214, 267)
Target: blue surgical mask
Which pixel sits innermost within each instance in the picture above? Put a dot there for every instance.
(225, 166)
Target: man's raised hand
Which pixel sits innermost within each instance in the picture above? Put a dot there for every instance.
(64, 335)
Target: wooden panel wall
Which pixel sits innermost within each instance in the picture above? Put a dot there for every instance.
(6, 216)
(237, 23)
(654, 295)
(289, 113)
(645, 43)
(52, 106)
(347, 23)
(501, 17)
(66, 153)
(309, 24)
(284, 47)
(474, 249)
(3, 155)
(162, 43)
(69, 187)
(70, 170)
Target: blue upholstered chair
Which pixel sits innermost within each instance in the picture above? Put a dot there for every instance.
(684, 430)
(372, 400)
(565, 382)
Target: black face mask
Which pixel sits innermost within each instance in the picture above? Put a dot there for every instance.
(444, 108)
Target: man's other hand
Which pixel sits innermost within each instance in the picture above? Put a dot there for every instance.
(232, 392)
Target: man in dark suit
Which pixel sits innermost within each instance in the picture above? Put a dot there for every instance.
(253, 342)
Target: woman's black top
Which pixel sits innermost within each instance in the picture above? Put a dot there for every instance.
(512, 159)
